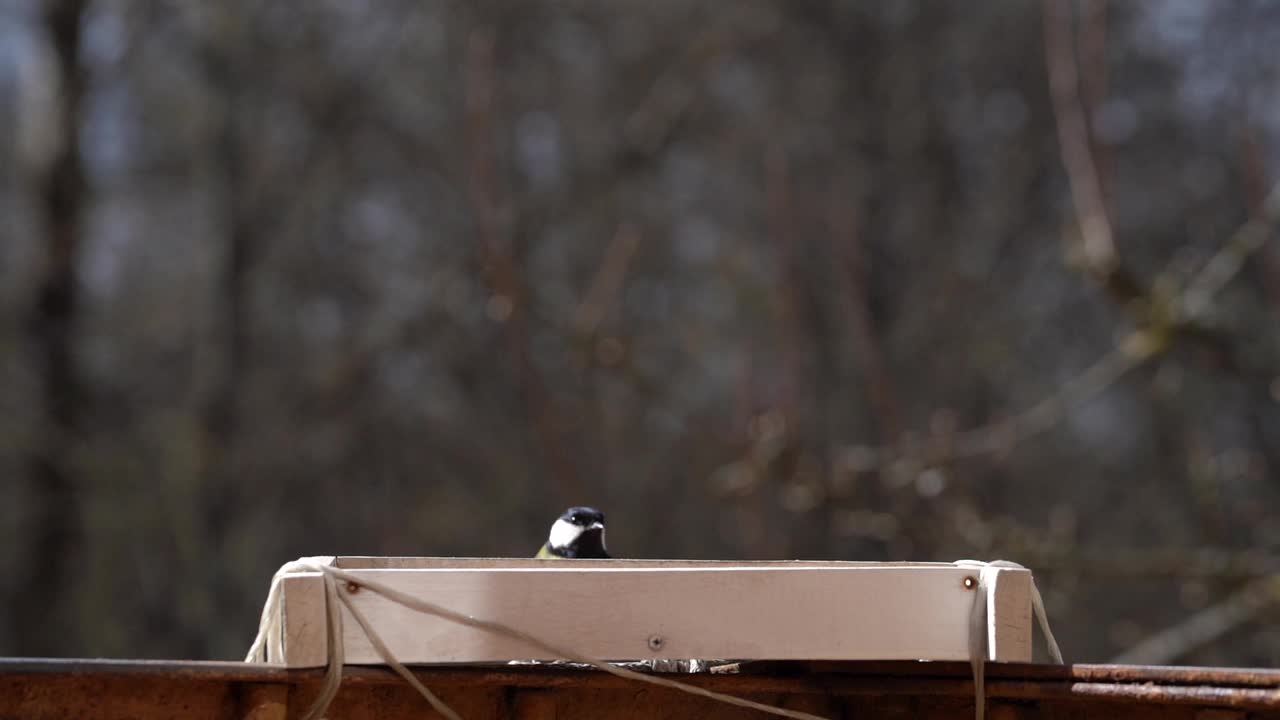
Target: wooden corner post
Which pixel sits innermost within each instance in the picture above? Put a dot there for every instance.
(1009, 616)
(306, 639)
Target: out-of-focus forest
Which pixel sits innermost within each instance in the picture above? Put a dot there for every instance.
(899, 280)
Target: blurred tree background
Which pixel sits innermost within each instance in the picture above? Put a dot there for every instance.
(824, 279)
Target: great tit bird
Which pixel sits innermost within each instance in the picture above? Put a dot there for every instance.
(578, 533)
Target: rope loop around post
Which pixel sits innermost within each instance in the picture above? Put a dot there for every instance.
(978, 629)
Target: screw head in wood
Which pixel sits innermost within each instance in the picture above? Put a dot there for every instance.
(970, 582)
(656, 642)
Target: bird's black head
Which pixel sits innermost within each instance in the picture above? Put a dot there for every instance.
(583, 516)
(578, 533)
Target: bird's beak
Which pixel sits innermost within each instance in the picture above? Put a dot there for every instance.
(595, 526)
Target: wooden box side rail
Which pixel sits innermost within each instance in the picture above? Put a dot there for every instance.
(392, 562)
(670, 610)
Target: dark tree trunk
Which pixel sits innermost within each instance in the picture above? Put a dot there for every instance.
(218, 406)
(39, 602)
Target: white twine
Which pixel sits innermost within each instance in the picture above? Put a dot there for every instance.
(268, 646)
(978, 629)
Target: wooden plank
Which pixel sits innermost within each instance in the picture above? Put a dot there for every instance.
(878, 611)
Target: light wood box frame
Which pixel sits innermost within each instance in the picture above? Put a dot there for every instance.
(666, 609)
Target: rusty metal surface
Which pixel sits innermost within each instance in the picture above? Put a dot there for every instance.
(150, 690)
(1159, 674)
(1242, 677)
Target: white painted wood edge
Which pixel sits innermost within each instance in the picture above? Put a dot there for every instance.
(362, 562)
(614, 610)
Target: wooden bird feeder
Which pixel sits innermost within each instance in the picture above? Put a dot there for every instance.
(664, 609)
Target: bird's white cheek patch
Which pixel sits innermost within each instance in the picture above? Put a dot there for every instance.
(563, 533)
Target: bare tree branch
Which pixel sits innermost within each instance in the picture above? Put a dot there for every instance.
(506, 305)
(1173, 644)
(1197, 299)
(1256, 183)
(608, 280)
(875, 375)
(1094, 83)
(1077, 156)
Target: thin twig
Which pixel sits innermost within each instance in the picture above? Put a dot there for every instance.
(1174, 643)
(1073, 139)
(787, 317)
(875, 374)
(608, 281)
(1047, 413)
(672, 93)
(1198, 297)
(1255, 189)
(1001, 437)
(1094, 84)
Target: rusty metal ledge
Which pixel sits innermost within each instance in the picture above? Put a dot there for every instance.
(147, 690)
